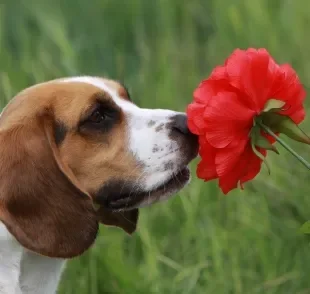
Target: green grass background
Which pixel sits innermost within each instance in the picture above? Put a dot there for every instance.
(201, 241)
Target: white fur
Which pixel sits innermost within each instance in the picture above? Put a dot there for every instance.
(10, 258)
(39, 274)
(22, 271)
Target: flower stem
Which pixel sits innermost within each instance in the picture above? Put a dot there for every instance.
(287, 147)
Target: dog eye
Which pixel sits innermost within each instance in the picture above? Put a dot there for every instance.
(97, 117)
(101, 118)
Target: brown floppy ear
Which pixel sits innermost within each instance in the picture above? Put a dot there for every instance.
(40, 203)
(127, 220)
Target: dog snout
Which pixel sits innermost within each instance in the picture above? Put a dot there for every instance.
(180, 132)
(179, 124)
(180, 127)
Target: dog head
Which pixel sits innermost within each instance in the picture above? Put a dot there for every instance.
(68, 144)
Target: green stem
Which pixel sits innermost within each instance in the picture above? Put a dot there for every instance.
(287, 147)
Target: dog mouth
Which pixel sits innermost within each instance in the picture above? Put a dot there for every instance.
(132, 198)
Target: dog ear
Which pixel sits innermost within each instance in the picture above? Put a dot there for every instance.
(127, 220)
(41, 204)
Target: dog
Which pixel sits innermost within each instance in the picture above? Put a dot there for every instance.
(77, 152)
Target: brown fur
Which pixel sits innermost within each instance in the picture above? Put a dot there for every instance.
(46, 191)
(121, 90)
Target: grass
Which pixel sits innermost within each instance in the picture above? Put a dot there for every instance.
(200, 241)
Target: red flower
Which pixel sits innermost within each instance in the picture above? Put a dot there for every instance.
(225, 106)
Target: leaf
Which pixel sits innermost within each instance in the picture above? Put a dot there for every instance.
(305, 228)
(283, 124)
(290, 129)
(261, 156)
(273, 104)
(260, 141)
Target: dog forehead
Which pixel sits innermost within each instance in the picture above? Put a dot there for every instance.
(69, 97)
(116, 91)
(62, 98)
(136, 115)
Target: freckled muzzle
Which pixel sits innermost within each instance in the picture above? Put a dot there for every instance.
(164, 148)
(187, 141)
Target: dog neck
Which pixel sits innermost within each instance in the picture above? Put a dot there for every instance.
(22, 271)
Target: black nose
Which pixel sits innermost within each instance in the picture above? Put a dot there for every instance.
(180, 124)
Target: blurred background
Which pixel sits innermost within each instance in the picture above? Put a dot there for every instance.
(201, 241)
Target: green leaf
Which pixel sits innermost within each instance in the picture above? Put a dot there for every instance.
(261, 156)
(283, 124)
(305, 228)
(273, 104)
(260, 141)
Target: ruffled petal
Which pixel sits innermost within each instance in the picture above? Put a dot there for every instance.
(288, 88)
(227, 120)
(254, 165)
(228, 182)
(195, 121)
(286, 85)
(204, 92)
(227, 158)
(261, 77)
(247, 167)
(249, 71)
(209, 88)
(206, 168)
(219, 73)
(298, 115)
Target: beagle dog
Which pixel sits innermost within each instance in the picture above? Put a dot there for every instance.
(76, 152)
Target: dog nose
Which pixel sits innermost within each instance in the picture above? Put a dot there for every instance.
(180, 124)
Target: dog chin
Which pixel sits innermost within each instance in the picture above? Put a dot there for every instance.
(170, 187)
(135, 198)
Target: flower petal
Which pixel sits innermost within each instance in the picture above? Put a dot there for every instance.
(298, 115)
(196, 123)
(206, 168)
(210, 88)
(227, 158)
(254, 166)
(285, 83)
(228, 182)
(227, 120)
(247, 167)
(260, 81)
(249, 71)
(287, 87)
(219, 73)
(204, 92)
